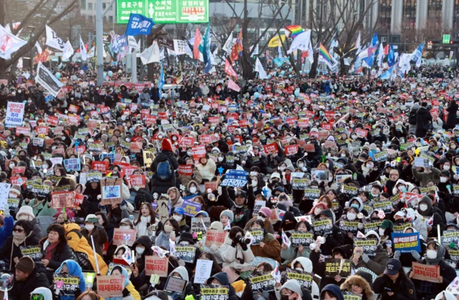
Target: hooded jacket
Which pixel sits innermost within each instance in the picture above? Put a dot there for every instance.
(74, 269)
(272, 247)
(46, 292)
(431, 212)
(232, 256)
(306, 264)
(368, 293)
(183, 272)
(223, 279)
(147, 243)
(177, 202)
(160, 186)
(129, 292)
(403, 288)
(333, 289)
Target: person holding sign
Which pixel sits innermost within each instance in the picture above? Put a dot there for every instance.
(357, 285)
(221, 279)
(394, 284)
(291, 252)
(293, 290)
(182, 274)
(70, 267)
(376, 263)
(434, 257)
(170, 231)
(269, 246)
(129, 289)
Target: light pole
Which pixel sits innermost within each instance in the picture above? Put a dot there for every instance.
(100, 39)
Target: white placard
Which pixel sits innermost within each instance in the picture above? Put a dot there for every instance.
(203, 270)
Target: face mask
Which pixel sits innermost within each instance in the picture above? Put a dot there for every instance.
(381, 231)
(125, 227)
(18, 234)
(351, 216)
(370, 166)
(423, 207)
(168, 228)
(11, 166)
(402, 188)
(254, 183)
(343, 155)
(261, 218)
(431, 254)
(282, 169)
(139, 250)
(327, 164)
(220, 159)
(177, 218)
(45, 166)
(353, 137)
(89, 226)
(355, 206)
(317, 211)
(192, 189)
(300, 165)
(299, 269)
(453, 147)
(446, 168)
(189, 153)
(443, 179)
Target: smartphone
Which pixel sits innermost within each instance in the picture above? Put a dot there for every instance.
(388, 289)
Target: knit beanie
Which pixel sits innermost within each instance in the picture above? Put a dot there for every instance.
(25, 264)
(229, 214)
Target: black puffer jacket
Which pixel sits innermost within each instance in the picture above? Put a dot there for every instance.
(147, 243)
(161, 186)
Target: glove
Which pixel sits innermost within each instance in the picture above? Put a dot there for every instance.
(415, 255)
(99, 197)
(365, 258)
(236, 240)
(397, 254)
(6, 213)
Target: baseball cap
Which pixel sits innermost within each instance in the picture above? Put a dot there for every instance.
(393, 266)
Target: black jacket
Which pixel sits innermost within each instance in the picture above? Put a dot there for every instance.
(22, 289)
(446, 271)
(161, 186)
(402, 289)
(423, 119)
(9, 250)
(451, 121)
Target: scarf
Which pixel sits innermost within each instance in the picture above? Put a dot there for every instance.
(49, 248)
(19, 240)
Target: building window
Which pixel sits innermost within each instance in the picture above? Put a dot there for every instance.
(83, 4)
(110, 19)
(90, 6)
(104, 5)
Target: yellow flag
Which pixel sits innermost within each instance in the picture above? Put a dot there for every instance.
(274, 42)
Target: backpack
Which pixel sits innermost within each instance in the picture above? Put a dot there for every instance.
(164, 170)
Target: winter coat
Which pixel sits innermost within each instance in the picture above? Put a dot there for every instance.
(79, 243)
(403, 289)
(99, 235)
(6, 230)
(451, 121)
(75, 270)
(368, 293)
(162, 240)
(446, 271)
(424, 177)
(423, 121)
(23, 289)
(9, 250)
(232, 255)
(160, 186)
(377, 263)
(207, 171)
(147, 243)
(291, 253)
(271, 249)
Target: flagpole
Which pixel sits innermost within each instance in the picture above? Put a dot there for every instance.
(99, 43)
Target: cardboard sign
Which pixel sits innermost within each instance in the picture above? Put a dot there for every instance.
(100, 166)
(262, 283)
(156, 265)
(185, 170)
(405, 242)
(14, 114)
(301, 238)
(124, 236)
(235, 178)
(137, 180)
(423, 272)
(216, 237)
(111, 191)
(148, 158)
(110, 286)
(200, 225)
(63, 199)
(198, 151)
(291, 150)
(340, 267)
(270, 148)
(185, 253)
(257, 236)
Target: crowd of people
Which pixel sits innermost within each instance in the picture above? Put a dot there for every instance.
(291, 188)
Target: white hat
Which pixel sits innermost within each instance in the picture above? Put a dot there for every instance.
(27, 210)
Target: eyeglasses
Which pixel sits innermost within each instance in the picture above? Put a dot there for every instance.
(18, 230)
(37, 297)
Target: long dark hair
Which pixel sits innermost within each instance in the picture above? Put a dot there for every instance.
(62, 236)
(152, 213)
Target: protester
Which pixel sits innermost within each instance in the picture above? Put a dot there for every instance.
(26, 280)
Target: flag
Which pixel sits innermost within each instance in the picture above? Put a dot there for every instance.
(197, 42)
(416, 56)
(279, 50)
(391, 57)
(301, 42)
(42, 57)
(181, 47)
(37, 45)
(229, 69)
(357, 43)
(204, 48)
(48, 80)
(380, 55)
(255, 51)
(274, 42)
(127, 256)
(387, 75)
(139, 24)
(259, 68)
(162, 55)
(180, 75)
(374, 40)
(68, 51)
(237, 48)
(162, 81)
(132, 44)
(228, 44)
(83, 53)
(9, 43)
(285, 239)
(52, 40)
(232, 85)
(294, 30)
(151, 54)
(276, 274)
(326, 57)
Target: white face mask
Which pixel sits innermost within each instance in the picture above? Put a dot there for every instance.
(192, 189)
(89, 226)
(125, 227)
(423, 207)
(11, 166)
(317, 211)
(254, 183)
(431, 254)
(443, 179)
(299, 269)
(168, 228)
(220, 159)
(177, 218)
(351, 216)
(381, 231)
(140, 250)
(282, 168)
(446, 168)
(343, 154)
(300, 165)
(261, 218)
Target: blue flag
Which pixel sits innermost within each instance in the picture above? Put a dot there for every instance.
(387, 75)
(375, 40)
(391, 56)
(204, 48)
(162, 81)
(139, 24)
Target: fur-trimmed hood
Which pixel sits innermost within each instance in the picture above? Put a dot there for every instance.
(356, 279)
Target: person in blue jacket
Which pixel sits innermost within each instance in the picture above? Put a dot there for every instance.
(6, 230)
(70, 267)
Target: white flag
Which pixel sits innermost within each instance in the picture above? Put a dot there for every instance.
(380, 55)
(53, 41)
(132, 43)
(151, 54)
(162, 55)
(259, 68)
(91, 52)
(182, 47)
(357, 43)
(84, 55)
(228, 44)
(256, 51)
(68, 51)
(9, 43)
(37, 45)
(301, 42)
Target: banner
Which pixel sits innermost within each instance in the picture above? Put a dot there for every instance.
(156, 265)
(304, 278)
(340, 267)
(124, 236)
(406, 242)
(14, 114)
(9, 43)
(139, 24)
(235, 178)
(423, 272)
(111, 191)
(63, 199)
(110, 286)
(48, 80)
(53, 41)
(209, 292)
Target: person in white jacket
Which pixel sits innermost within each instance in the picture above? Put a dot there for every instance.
(235, 252)
(207, 168)
(305, 264)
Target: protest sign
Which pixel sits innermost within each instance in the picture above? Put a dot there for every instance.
(4, 193)
(14, 114)
(203, 270)
(235, 178)
(111, 191)
(211, 292)
(48, 80)
(450, 236)
(100, 166)
(185, 170)
(299, 183)
(262, 283)
(340, 267)
(216, 237)
(257, 237)
(311, 193)
(369, 246)
(191, 208)
(123, 236)
(291, 150)
(304, 278)
(185, 253)
(424, 272)
(301, 238)
(34, 252)
(163, 209)
(405, 242)
(322, 226)
(18, 171)
(258, 205)
(63, 199)
(156, 265)
(349, 226)
(198, 151)
(72, 164)
(42, 190)
(270, 148)
(66, 284)
(110, 286)
(350, 296)
(350, 190)
(400, 228)
(13, 203)
(138, 180)
(200, 225)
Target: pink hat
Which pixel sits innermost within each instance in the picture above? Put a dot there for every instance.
(266, 211)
